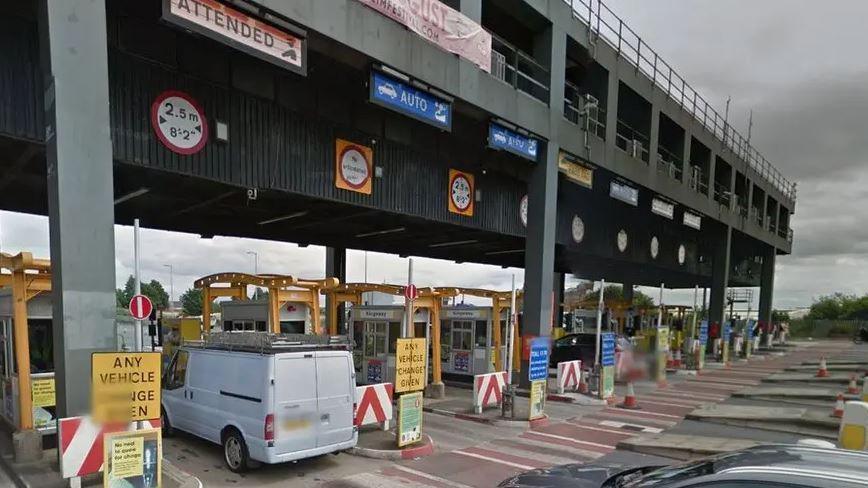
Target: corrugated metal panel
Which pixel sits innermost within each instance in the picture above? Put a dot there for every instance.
(21, 112)
(272, 147)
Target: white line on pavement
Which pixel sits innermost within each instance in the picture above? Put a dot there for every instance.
(640, 413)
(427, 476)
(602, 422)
(564, 438)
(620, 425)
(495, 460)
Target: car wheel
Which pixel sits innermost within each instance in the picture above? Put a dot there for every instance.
(235, 452)
(168, 431)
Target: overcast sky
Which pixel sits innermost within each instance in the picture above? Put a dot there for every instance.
(798, 64)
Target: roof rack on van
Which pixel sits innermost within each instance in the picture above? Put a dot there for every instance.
(267, 342)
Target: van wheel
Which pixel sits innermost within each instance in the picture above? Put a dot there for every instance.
(235, 452)
(168, 431)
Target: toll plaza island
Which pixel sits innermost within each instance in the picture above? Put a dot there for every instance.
(539, 138)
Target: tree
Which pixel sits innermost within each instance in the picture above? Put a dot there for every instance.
(191, 302)
(153, 290)
(828, 307)
(779, 316)
(615, 293)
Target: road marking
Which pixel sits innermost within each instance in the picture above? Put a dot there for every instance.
(628, 415)
(493, 460)
(372, 480)
(570, 439)
(602, 422)
(427, 476)
(620, 425)
(688, 395)
(674, 401)
(654, 402)
(645, 412)
(582, 455)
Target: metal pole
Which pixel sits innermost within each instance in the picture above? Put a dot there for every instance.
(510, 335)
(171, 282)
(695, 311)
(599, 323)
(138, 288)
(660, 308)
(408, 313)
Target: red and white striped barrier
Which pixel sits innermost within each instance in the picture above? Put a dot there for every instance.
(374, 405)
(569, 375)
(81, 444)
(488, 390)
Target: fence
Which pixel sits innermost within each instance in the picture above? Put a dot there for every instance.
(606, 25)
(825, 328)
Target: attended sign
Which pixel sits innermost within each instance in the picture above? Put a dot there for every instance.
(410, 365)
(133, 459)
(125, 386)
(229, 26)
(574, 171)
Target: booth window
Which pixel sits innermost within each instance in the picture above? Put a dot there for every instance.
(292, 326)
(461, 335)
(260, 326)
(394, 334)
(375, 338)
(41, 346)
(481, 332)
(227, 326)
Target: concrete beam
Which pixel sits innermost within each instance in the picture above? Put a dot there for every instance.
(80, 192)
(335, 267)
(720, 274)
(767, 285)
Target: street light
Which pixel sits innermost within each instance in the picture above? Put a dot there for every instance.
(171, 283)
(255, 261)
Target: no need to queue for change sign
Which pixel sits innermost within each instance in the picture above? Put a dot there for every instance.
(410, 365)
(125, 386)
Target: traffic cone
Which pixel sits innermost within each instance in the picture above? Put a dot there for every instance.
(630, 399)
(838, 412)
(822, 372)
(583, 386)
(853, 389)
(670, 363)
(677, 360)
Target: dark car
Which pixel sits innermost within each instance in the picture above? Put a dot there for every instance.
(574, 347)
(771, 466)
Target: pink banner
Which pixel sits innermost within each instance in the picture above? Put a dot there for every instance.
(442, 25)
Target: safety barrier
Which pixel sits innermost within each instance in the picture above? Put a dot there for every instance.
(854, 427)
(569, 375)
(488, 390)
(81, 444)
(374, 405)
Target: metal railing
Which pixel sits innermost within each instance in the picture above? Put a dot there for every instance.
(595, 119)
(632, 141)
(605, 24)
(722, 195)
(698, 180)
(668, 163)
(519, 70)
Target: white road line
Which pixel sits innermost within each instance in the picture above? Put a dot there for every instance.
(602, 422)
(528, 453)
(686, 395)
(678, 402)
(654, 402)
(564, 438)
(620, 425)
(495, 460)
(582, 454)
(427, 476)
(640, 413)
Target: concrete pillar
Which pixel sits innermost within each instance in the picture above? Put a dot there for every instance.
(654, 139)
(686, 167)
(720, 274)
(558, 286)
(627, 292)
(542, 213)
(80, 192)
(336, 267)
(712, 170)
(767, 284)
(612, 111)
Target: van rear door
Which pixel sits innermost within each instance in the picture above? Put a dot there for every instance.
(336, 390)
(296, 418)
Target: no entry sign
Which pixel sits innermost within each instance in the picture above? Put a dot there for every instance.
(179, 122)
(411, 292)
(141, 307)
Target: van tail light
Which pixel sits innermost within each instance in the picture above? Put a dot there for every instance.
(269, 427)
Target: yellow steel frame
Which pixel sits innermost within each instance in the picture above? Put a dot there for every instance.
(281, 289)
(28, 277)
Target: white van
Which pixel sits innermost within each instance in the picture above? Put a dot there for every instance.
(267, 398)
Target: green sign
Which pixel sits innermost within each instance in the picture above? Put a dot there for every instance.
(725, 352)
(701, 356)
(409, 418)
(660, 373)
(537, 399)
(607, 382)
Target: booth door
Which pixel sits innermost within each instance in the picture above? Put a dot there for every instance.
(374, 358)
(462, 346)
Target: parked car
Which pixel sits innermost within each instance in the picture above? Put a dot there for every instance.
(274, 402)
(771, 466)
(573, 347)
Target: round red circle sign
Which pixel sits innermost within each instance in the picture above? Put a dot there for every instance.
(354, 168)
(179, 122)
(461, 192)
(141, 307)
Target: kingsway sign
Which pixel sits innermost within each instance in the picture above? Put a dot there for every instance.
(229, 26)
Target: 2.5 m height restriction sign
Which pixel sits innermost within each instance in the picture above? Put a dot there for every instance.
(179, 122)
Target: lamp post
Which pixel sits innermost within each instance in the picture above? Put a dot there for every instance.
(171, 283)
(255, 261)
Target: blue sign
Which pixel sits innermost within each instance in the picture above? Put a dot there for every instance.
(539, 359)
(607, 344)
(397, 95)
(727, 330)
(703, 332)
(499, 137)
(749, 330)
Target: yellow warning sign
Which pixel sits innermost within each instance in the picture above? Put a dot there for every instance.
(133, 459)
(410, 365)
(125, 386)
(42, 391)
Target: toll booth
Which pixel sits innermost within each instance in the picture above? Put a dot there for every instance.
(375, 332)
(252, 316)
(467, 339)
(39, 329)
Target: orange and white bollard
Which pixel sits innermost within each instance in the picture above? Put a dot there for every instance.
(853, 388)
(838, 412)
(676, 362)
(823, 372)
(630, 399)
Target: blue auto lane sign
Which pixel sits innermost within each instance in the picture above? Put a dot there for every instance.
(392, 93)
(607, 356)
(499, 137)
(727, 330)
(703, 332)
(539, 359)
